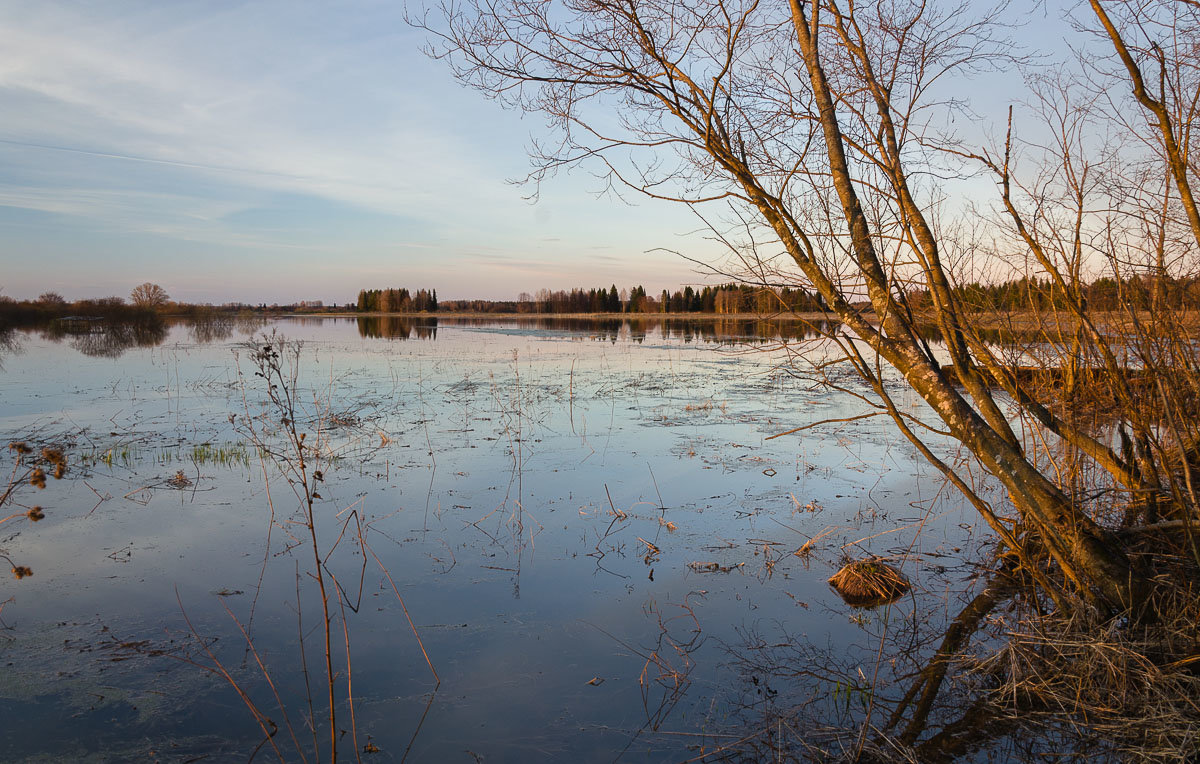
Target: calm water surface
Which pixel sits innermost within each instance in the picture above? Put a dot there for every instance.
(587, 523)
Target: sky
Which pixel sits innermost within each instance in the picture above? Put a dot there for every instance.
(283, 151)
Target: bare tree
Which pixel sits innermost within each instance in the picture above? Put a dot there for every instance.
(148, 295)
(820, 125)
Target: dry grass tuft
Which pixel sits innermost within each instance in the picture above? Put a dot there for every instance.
(864, 583)
(1130, 689)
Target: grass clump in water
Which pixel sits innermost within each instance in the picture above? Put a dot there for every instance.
(865, 583)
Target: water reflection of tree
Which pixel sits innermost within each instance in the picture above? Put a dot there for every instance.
(9, 344)
(211, 326)
(397, 327)
(994, 678)
(250, 323)
(111, 340)
(710, 329)
(882, 698)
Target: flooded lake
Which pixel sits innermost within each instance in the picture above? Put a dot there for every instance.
(595, 540)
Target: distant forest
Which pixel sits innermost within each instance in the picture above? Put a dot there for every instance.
(726, 299)
(397, 301)
(148, 301)
(147, 304)
(51, 306)
(1138, 292)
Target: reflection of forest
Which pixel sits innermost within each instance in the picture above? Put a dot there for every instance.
(638, 327)
(397, 327)
(8, 344)
(211, 328)
(110, 337)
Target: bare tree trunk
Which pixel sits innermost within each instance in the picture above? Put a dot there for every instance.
(1086, 553)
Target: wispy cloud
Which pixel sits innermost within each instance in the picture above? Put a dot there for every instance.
(188, 120)
(204, 90)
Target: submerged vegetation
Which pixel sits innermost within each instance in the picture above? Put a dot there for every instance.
(228, 454)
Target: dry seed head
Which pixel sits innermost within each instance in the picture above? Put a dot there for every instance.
(20, 571)
(38, 478)
(20, 448)
(35, 514)
(54, 455)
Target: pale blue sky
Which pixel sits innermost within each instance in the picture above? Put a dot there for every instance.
(281, 151)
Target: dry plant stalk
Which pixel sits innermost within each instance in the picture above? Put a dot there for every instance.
(302, 462)
(807, 547)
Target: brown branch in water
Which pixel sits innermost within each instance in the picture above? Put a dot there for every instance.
(437, 680)
(219, 669)
(811, 425)
(958, 634)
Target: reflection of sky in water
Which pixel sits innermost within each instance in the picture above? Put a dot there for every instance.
(495, 541)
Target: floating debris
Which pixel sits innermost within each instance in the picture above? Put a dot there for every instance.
(713, 567)
(179, 481)
(652, 551)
